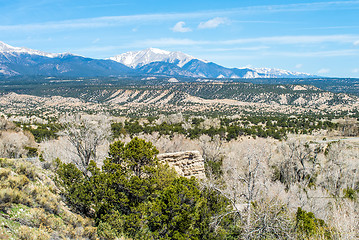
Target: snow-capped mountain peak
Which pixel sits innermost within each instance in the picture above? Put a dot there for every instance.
(150, 61)
(157, 51)
(136, 59)
(274, 72)
(5, 48)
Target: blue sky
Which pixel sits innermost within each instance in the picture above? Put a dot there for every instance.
(317, 37)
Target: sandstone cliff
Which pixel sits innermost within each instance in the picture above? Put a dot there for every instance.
(187, 164)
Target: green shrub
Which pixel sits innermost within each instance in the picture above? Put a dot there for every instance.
(75, 187)
(214, 168)
(105, 231)
(350, 193)
(31, 151)
(134, 194)
(310, 227)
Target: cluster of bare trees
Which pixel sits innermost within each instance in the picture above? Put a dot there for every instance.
(14, 141)
(299, 163)
(266, 182)
(248, 186)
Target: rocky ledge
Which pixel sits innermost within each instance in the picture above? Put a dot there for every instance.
(187, 164)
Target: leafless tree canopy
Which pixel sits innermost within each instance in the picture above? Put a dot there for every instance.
(85, 134)
(266, 183)
(13, 140)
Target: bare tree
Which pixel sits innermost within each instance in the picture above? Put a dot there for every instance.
(252, 181)
(213, 155)
(245, 185)
(270, 219)
(13, 140)
(299, 163)
(6, 125)
(12, 144)
(340, 169)
(170, 119)
(86, 134)
(344, 217)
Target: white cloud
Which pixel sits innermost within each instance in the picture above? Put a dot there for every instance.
(213, 23)
(180, 27)
(299, 65)
(167, 42)
(108, 21)
(356, 43)
(100, 22)
(278, 40)
(229, 49)
(96, 40)
(335, 53)
(275, 40)
(323, 70)
(98, 49)
(296, 39)
(355, 70)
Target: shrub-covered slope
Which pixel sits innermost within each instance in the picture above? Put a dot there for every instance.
(31, 207)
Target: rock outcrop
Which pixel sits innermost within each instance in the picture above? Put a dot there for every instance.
(187, 164)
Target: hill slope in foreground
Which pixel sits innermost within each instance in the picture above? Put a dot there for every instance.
(31, 206)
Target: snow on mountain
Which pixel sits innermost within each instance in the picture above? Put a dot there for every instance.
(24, 61)
(198, 67)
(7, 49)
(4, 70)
(164, 68)
(251, 74)
(136, 59)
(275, 73)
(150, 62)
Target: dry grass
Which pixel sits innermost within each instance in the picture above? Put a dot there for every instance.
(28, 233)
(31, 208)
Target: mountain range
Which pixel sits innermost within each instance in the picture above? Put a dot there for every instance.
(149, 62)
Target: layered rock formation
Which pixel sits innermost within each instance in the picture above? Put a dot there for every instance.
(187, 164)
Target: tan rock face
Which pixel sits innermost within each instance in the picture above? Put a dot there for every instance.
(187, 164)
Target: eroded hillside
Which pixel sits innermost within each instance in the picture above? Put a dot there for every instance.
(207, 98)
